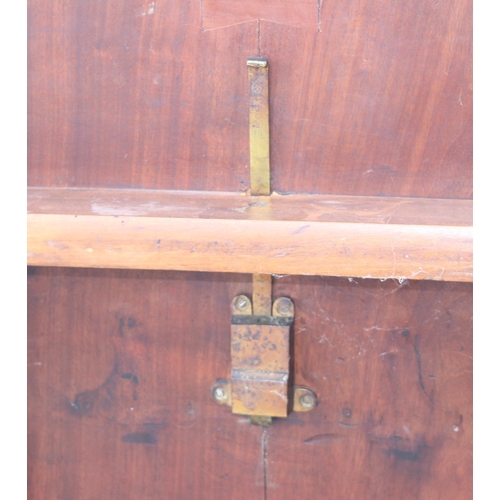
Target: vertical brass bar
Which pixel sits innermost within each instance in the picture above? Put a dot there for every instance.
(260, 178)
(262, 292)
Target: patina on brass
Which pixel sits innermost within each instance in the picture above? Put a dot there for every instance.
(260, 385)
(303, 400)
(260, 363)
(262, 294)
(260, 178)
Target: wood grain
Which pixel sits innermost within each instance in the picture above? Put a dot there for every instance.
(377, 103)
(392, 367)
(390, 363)
(223, 205)
(277, 235)
(376, 106)
(120, 366)
(222, 13)
(123, 95)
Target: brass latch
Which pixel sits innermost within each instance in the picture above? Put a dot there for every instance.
(260, 359)
(260, 384)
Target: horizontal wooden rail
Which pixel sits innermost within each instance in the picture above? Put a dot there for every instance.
(370, 237)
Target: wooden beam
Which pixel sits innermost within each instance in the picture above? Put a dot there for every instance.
(370, 237)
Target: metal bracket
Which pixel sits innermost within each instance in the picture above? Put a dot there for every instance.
(258, 79)
(260, 384)
(260, 359)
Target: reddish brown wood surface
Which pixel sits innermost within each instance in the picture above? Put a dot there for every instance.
(328, 236)
(390, 363)
(120, 366)
(144, 94)
(237, 206)
(392, 367)
(136, 95)
(223, 13)
(377, 103)
(123, 95)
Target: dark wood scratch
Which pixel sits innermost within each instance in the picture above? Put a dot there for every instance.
(419, 368)
(258, 37)
(321, 438)
(264, 459)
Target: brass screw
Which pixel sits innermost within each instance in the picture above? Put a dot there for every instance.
(241, 303)
(307, 401)
(220, 394)
(284, 305)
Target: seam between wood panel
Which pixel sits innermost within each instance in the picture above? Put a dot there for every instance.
(258, 37)
(319, 15)
(264, 459)
(202, 14)
(419, 368)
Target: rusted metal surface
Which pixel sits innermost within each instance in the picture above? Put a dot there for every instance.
(261, 384)
(260, 359)
(260, 369)
(262, 294)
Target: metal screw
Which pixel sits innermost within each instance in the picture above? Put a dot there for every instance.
(347, 412)
(307, 400)
(241, 303)
(220, 394)
(455, 428)
(284, 305)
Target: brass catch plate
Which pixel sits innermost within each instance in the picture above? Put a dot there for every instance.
(303, 399)
(260, 359)
(260, 366)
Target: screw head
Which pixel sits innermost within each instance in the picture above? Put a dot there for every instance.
(241, 303)
(347, 412)
(307, 400)
(220, 394)
(284, 305)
